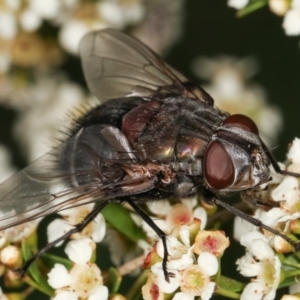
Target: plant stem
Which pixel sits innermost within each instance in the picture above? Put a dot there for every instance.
(232, 295)
(253, 6)
(136, 287)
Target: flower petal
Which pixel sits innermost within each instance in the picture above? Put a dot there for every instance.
(99, 228)
(80, 251)
(65, 295)
(183, 296)
(253, 291)
(164, 286)
(208, 263)
(101, 293)
(208, 291)
(59, 277)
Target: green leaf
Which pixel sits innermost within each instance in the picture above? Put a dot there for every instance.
(35, 278)
(229, 284)
(49, 260)
(119, 218)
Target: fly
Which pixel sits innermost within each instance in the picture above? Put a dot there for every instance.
(154, 136)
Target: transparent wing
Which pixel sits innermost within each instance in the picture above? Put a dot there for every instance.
(87, 167)
(117, 65)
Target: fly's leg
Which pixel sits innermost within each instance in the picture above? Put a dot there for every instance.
(275, 164)
(159, 232)
(212, 199)
(77, 228)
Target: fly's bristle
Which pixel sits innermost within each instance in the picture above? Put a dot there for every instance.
(73, 121)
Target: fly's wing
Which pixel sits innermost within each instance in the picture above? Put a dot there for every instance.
(116, 65)
(87, 167)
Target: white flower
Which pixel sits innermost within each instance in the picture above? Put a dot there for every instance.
(294, 152)
(237, 4)
(47, 9)
(29, 20)
(80, 251)
(71, 34)
(8, 25)
(190, 276)
(291, 21)
(287, 190)
(208, 263)
(95, 229)
(261, 262)
(183, 296)
(84, 280)
(279, 7)
(121, 13)
(241, 227)
(60, 281)
(174, 215)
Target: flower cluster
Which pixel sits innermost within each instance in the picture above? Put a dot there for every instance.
(193, 260)
(167, 216)
(263, 258)
(83, 280)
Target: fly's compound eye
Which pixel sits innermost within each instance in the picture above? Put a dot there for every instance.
(241, 121)
(218, 167)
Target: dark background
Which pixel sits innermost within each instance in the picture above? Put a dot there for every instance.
(210, 29)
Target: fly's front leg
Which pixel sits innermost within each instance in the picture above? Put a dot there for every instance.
(212, 199)
(159, 232)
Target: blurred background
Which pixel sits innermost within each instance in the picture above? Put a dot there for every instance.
(249, 64)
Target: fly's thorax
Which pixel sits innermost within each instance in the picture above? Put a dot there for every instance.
(234, 159)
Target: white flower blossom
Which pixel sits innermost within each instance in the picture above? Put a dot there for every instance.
(291, 21)
(294, 152)
(8, 26)
(259, 261)
(169, 216)
(95, 230)
(84, 280)
(191, 265)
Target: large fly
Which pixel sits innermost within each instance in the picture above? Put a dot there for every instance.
(154, 136)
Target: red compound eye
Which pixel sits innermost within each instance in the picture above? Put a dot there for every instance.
(218, 166)
(241, 121)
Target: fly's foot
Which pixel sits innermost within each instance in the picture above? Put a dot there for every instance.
(168, 275)
(23, 270)
(296, 245)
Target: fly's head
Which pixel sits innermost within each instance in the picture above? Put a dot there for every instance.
(235, 159)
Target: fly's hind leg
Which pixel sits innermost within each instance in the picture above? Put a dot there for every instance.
(77, 228)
